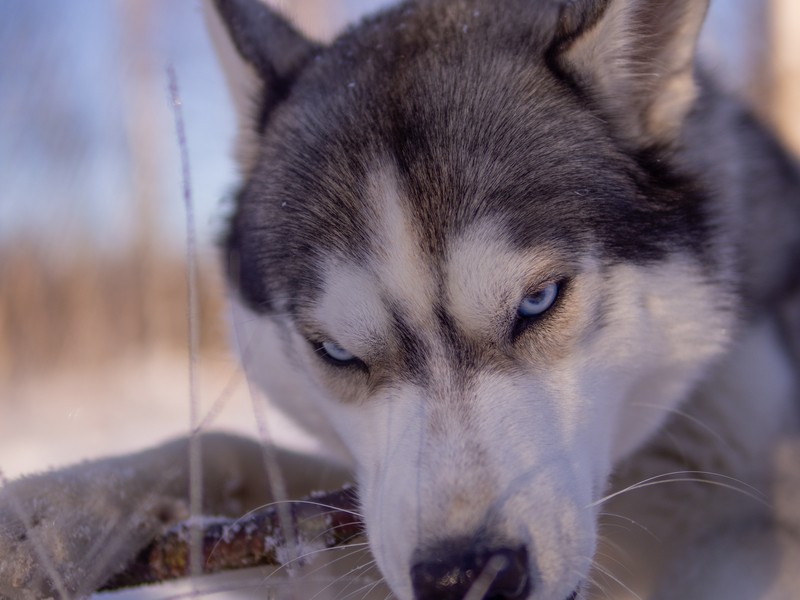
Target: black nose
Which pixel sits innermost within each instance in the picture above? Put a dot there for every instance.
(475, 573)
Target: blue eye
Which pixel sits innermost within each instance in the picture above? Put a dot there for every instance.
(539, 302)
(335, 352)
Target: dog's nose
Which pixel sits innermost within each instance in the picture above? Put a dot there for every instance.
(476, 573)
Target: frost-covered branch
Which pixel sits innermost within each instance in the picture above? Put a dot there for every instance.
(320, 521)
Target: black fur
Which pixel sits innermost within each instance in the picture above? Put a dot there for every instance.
(271, 46)
(477, 123)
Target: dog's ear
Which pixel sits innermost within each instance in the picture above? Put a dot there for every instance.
(637, 57)
(261, 56)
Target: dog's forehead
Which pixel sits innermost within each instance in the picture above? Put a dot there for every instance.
(405, 186)
(476, 279)
(453, 147)
(360, 296)
(471, 132)
(424, 125)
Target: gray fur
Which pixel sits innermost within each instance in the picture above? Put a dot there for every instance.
(582, 127)
(577, 131)
(479, 113)
(472, 106)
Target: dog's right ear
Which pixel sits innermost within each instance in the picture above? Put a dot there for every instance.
(261, 55)
(637, 57)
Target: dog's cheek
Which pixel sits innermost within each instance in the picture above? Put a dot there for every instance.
(271, 357)
(650, 351)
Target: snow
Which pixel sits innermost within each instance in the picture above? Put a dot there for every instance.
(137, 402)
(128, 405)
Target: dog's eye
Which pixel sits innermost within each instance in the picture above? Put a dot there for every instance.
(539, 302)
(335, 353)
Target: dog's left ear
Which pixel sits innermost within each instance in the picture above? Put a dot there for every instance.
(261, 55)
(637, 57)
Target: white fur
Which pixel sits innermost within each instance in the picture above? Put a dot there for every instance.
(527, 452)
(661, 78)
(400, 267)
(523, 446)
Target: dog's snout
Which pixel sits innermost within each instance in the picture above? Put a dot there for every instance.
(475, 573)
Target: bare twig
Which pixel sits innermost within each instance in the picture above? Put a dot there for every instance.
(321, 521)
(195, 459)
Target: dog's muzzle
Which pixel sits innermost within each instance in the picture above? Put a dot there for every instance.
(475, 573)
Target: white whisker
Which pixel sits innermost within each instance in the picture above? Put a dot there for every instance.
(686, 415)
(371, 586)
(627, 520)
(366, 569)
(752, 492)
(611, 576)
(341, 577)
(350, 551)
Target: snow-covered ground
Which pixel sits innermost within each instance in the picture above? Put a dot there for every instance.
(127, 405)
(137, 402)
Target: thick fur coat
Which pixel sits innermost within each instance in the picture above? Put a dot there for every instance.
(533, 278)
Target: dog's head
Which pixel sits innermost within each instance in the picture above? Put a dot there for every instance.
(465, 245)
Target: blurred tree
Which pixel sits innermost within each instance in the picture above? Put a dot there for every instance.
(785, 70)
(144, 128)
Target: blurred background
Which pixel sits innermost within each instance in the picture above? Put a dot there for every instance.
(93, 300)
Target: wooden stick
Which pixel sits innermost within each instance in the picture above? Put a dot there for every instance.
(320, 521)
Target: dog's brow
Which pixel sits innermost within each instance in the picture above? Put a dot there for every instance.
(361, 298)
(485, 277)
(397, 243)
(349, 309)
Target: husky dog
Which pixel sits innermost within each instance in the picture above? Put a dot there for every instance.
(511, 259)
(490, 248)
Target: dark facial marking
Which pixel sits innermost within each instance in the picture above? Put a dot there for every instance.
(412, 350)
(478, 126)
